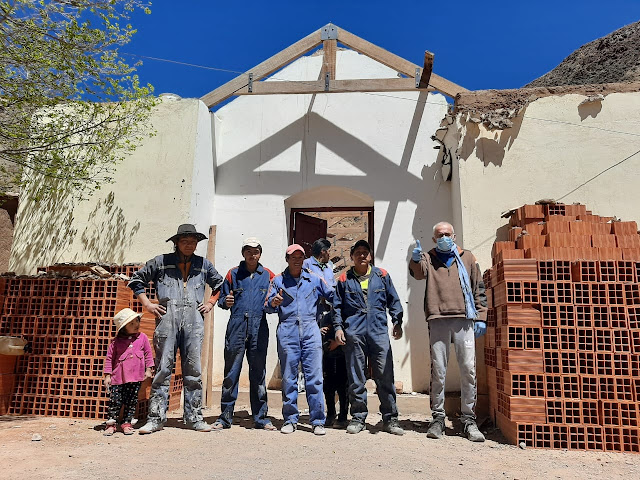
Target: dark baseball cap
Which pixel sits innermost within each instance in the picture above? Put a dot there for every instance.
(360, 243)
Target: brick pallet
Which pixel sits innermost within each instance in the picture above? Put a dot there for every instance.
(563, 330)
(69, 325)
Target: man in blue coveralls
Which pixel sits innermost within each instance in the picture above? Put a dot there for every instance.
(334, 369)
(244, 291)
(179, 279)
(363, 295)
(294, 295)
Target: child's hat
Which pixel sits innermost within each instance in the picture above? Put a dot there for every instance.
(125, 316)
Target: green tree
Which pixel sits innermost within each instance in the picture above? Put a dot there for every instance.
(71, 108)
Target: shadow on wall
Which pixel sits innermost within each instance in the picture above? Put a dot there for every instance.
(382, 179)
(108, 236)
(42, 242)
(105, 239)
(490, 150)
(417, 331)
(589, 109)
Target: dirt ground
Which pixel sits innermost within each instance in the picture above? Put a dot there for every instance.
(76, 449)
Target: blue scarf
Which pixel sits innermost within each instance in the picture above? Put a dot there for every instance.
(469, 304)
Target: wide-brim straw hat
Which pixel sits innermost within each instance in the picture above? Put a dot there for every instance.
(125, 316)
(187, 229)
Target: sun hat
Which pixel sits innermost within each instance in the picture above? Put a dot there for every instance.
(187, 229)
(125, 316)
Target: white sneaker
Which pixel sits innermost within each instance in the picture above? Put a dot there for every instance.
(150, 427)
(319, 430)
(288, 428)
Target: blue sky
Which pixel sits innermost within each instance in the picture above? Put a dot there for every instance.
(478, 45)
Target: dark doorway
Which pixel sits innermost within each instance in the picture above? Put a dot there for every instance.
(342, 226)
(308, 229)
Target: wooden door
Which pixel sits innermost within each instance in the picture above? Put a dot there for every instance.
(307, 229)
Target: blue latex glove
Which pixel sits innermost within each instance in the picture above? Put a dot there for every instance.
(417, 252)
(479, 328)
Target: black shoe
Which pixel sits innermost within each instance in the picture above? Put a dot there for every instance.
(341, 423)
(331, 418)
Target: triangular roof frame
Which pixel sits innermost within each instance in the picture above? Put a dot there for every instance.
(419, 78)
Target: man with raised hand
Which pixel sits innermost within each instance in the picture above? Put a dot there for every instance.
(363, 295)
(294, 296)
(455, 306)
(244, 291)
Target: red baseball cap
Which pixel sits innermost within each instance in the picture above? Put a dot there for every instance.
(295, 247)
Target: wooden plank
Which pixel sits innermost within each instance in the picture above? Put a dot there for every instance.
(264, 69)
(399, 64)
(335, 86)
(427, 70)
(207, 342)
(329, 49)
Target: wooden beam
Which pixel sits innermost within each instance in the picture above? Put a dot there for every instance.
(207, 343)
(427, 70)
(395, 62)
(329, 48)
(264, 69)
(335, 86)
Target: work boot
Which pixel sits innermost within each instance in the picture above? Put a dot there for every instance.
(319, 430)
(288, 428)
(331, 417)
(341, 423)
(201, 426)
(393, 427)
(473, 432)
(355, 426)
(436, 429)
(150, 427)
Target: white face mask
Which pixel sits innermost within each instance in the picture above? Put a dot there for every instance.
(444, 243)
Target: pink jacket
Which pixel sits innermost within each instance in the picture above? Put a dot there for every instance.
(127, 359)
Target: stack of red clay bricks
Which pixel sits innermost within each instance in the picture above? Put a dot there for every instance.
(563, 340)
(69, 323)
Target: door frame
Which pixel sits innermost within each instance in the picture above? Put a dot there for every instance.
(369, 211)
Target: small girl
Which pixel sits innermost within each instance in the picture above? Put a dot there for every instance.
(128, 363)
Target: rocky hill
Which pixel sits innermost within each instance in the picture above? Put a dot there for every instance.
(613, 58)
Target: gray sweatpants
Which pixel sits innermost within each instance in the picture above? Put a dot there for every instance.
(442, 332)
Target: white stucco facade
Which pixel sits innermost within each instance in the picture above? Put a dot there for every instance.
(278, 152)
(557, 149)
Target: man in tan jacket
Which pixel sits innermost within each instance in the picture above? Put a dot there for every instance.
(455, 306)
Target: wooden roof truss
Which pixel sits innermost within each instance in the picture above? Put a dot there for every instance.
(418, 78)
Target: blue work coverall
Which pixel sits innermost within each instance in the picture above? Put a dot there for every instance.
(182, 327)
(299, 341)
(248, 331)
(324, 271)
(367, 336)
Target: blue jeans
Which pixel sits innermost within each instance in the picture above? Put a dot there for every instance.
(182, 327)
(255, 344)
(378, 350)
(301, 343)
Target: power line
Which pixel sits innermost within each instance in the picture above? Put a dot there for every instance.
(311, 83)
(601, 173)
(583, 126)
